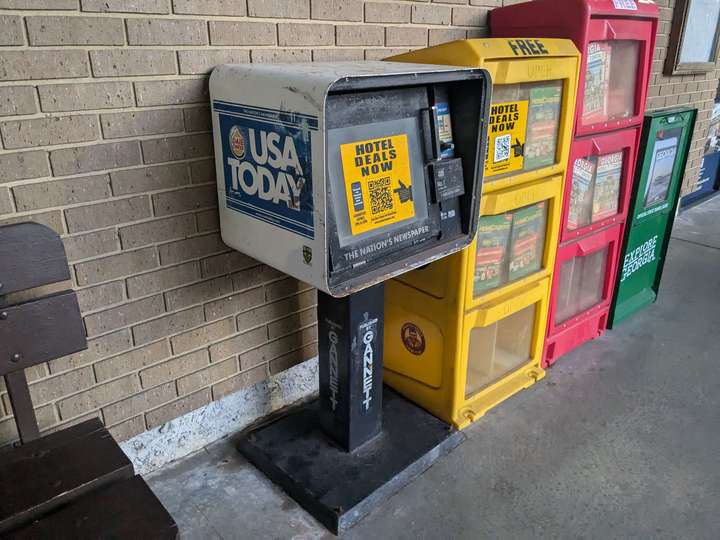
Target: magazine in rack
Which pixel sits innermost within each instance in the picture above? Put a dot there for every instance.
(579, 213)
(661, 170)
(492, 252)
(597, 83)
(527, 241)
(607, 186)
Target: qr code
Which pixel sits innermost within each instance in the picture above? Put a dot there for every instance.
(502, 148)
(380, 195)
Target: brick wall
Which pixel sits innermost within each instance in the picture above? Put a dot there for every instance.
(697, 91)
(106, 138)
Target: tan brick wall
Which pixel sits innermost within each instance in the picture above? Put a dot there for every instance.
(106, 138)
(697, 91)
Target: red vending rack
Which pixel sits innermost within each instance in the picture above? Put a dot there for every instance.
(617, 40)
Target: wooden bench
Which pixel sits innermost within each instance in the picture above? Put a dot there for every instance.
(126, 509)
(77, 482)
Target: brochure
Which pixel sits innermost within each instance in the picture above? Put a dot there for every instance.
(607, 186)
(661, 169)
(597, 83)
(492, 249)
(579, 213)
(527, 241)
(543, 126)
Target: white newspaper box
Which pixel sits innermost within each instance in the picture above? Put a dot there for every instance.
(344, 175)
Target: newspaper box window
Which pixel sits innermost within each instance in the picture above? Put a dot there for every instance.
(600, 178)
(524, 128)
(609, 92)
(345, 175)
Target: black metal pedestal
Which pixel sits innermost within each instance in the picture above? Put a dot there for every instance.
(350, 349)
(336, 457)
(340, 488)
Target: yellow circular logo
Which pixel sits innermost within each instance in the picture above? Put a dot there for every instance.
(237, 142)
(413, 338)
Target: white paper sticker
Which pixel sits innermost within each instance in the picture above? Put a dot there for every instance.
(625, 4)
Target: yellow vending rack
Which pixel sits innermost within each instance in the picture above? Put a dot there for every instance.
(465, 333)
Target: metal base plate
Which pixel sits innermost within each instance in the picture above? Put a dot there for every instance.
(340, 488)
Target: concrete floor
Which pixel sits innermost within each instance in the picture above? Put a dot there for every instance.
(621, 440)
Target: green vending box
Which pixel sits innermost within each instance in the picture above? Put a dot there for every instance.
(656, 191)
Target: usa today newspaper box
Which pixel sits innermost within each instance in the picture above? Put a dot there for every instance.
(345, 175)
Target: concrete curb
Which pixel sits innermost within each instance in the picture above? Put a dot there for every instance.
(182, 436)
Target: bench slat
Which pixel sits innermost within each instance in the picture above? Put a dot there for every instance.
(125, 510)
(31, 255)
(48, 472)
(39, 331)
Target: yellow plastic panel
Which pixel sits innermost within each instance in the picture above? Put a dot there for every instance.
(433, 278)
(510, 199)
(493, 311)
(501, 351)
(484, 52)
(426, 377)
(507, 202)
(498, 349)
(413, 346)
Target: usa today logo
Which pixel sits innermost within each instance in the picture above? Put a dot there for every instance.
(267, 165)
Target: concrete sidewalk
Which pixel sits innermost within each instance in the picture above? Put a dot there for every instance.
(621, 440)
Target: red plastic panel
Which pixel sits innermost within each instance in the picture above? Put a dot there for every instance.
(591, 327)
(582, 290)
(595, 197)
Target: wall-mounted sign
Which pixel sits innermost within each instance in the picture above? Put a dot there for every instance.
(693, 46)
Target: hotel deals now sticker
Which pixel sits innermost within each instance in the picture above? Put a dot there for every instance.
(506, 133)
(378, 185)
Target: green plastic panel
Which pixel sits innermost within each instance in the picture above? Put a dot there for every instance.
(659, 173)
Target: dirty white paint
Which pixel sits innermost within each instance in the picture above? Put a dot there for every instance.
(298, 92)
(182, 436)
